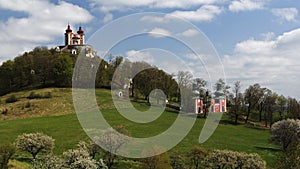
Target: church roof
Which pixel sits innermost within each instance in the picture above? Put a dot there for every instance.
(80, 31)
(68, 29)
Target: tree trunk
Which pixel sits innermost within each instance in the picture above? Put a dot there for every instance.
(236, 118)
(248, 113)
(271, 119)
(260, 112)
(266, 119)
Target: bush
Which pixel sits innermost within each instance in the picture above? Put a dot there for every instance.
(34, 95)
(72, 159)
(285, 132)
(161, 161)
(48, 95)
(6, 152)
(232, 159)
(11, 99)
(35, 143)
(289, 159)
(80, 159)
(197, 155)
(177, 161)
(27, 105)
(48, 162)
(4, 112)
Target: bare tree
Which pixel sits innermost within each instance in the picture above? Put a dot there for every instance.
(184, 78)
(238, 98)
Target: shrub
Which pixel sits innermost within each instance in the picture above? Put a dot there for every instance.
(80, 159)
(48, 95)
(285, 132)
(4, 112)
(34, 143)
(161, 161)
(48, 162)
(34, 95)
(6, 152)
(27, 105)
(289, 159)
(197, 155)
(72, 159)
(11, 99)
(177, 161)
(232, 159)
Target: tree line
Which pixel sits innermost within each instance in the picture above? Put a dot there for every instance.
(43, 67)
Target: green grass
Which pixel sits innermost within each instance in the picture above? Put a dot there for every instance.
(67, 132)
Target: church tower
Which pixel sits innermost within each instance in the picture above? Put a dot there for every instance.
(68, 36)
(81, 35)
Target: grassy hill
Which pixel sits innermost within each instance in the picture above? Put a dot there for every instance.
(55, 117)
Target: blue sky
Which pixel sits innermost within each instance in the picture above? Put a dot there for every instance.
(258, 41)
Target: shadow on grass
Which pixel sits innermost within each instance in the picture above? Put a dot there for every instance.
(24, 159)
(270, 149)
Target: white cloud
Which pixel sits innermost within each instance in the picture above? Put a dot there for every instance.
(121, 5)
(204, 13)
(196, 57)
(288, 14)
(268, 36)
(190, 33)
(159, 32)
(108, 17)
(42, 23)
(272, 63)
(246, 5)
(139, 56)
(156, 19)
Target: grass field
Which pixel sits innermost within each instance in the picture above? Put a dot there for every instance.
(67, 132)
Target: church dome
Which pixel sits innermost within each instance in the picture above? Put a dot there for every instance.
(80, 31)
(68, 29)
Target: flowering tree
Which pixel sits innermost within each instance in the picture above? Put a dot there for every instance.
(34, 143)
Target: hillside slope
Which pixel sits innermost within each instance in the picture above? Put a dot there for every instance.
(59, 102)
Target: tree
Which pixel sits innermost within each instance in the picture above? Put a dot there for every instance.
(63, 71)
(293, 108)
(34, 143)
(78, 159)
(184, 79)
(200, 85)
(285, 132)
(262, 102)
(92, 148)
(7, 73)
(282, 105)
(6, 152)
(252, 95)
(224, 86)
(197, 156)
(238, 98)
(113, 141)
(271, 106)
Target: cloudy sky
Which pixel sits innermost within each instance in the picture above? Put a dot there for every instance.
(258, 41)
